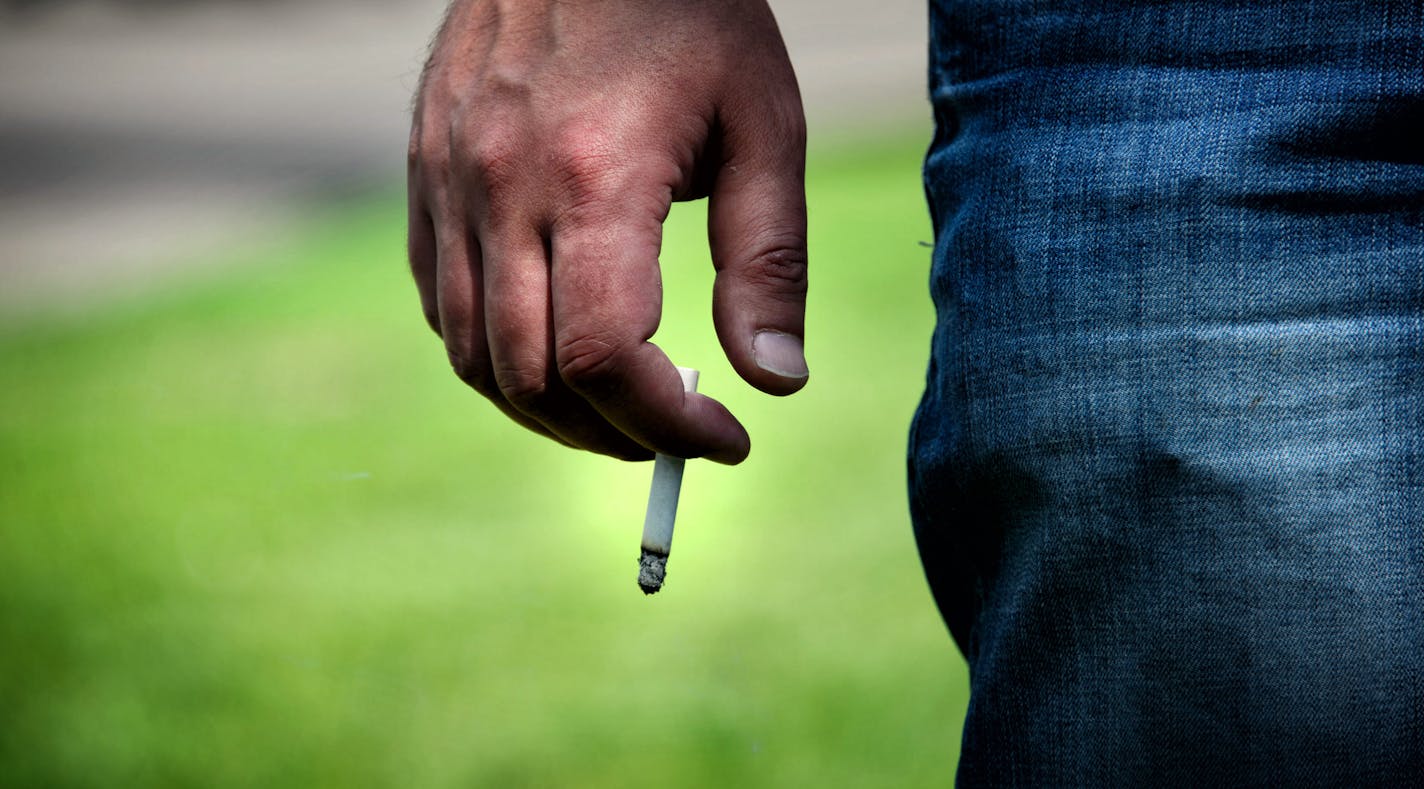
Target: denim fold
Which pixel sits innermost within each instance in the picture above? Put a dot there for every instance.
(1167, 473)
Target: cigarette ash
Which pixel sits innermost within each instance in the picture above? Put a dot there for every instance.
(652, 567)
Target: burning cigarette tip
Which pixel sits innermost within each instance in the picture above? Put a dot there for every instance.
(652, 568)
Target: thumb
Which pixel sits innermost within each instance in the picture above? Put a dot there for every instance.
(757, 232)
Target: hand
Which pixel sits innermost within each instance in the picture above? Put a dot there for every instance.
(549, 141)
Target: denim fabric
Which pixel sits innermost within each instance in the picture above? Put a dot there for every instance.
(1168, 471)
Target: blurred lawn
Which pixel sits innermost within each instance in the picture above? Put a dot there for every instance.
(254, 533)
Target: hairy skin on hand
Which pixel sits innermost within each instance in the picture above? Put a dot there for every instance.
(548, 143)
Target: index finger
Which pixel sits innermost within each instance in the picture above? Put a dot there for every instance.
(606, 292)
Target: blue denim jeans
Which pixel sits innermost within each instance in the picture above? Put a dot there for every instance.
(1167, 477)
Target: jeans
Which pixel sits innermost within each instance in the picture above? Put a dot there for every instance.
(1167, 476)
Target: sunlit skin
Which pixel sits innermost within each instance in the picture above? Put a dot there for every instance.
(549, 141)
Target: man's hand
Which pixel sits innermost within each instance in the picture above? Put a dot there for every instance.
(550, 139)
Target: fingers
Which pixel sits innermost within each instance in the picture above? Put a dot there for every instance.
(607, 298)
(757, 231)
(534, 237)
(481, 263)
(460, 314)
(550, 320)
(448, 297)
(518, 324)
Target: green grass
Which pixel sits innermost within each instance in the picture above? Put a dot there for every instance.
(254, 533)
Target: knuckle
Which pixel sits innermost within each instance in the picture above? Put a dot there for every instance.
(780, 271)
(426, 153)
(420, 147)
(429, 160)
(494, 155)
(586, 168)
(585, 183)
(481, 142)
(475, 373)
(495, 160)
(588, 360)
(525, 388)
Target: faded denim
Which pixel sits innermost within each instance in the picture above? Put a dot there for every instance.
(1168, 471)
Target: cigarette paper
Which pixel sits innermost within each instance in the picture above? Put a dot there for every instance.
(662, 509)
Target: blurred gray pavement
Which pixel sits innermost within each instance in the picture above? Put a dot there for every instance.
(139, 140)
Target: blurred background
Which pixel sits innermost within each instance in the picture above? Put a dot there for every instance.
(253, 531)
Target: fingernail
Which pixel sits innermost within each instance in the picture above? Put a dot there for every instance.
(780, 353)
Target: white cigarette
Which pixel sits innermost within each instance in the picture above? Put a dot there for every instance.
(662, 509)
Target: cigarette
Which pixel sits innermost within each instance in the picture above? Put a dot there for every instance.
(662, 509)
